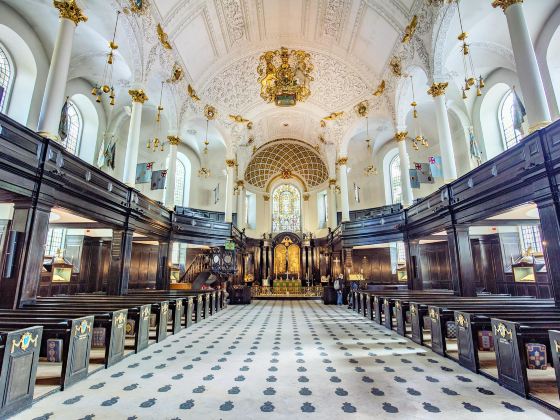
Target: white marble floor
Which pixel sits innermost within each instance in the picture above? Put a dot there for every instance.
(285, 360)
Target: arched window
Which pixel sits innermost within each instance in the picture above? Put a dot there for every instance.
(286, 209)
(395, 179)
(531, 238)
(5, 79)
(178, 200)
(510, 134)
(75, 126)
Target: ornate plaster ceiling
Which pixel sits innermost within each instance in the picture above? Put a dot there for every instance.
(288, 158)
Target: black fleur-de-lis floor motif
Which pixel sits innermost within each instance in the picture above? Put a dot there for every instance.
(244, 361)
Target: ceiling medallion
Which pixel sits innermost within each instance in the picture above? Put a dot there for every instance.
(285, 76)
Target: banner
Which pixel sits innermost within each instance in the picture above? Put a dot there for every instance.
(435, 166)
(414, 181)
(424, 173)
(144, 172)
(158, 179)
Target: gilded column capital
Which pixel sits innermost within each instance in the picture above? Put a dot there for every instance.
(401, 136)
(332, 182)
(240, 184)
(70, 10)
(437, 89)
(504, 4)
(174, 140)
(306, 197)
(266, 197)
(343, 160)
(230, 163)
(138, 95)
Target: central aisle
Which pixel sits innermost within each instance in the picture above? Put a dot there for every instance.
(285, 359)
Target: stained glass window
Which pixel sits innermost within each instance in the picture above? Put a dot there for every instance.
(395, 178)
(286, 209)
(531, 238)
(72, 142)
(510, 134)
(5, 78)
(178, 200)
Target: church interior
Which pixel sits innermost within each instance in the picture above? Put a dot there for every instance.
(279, 208)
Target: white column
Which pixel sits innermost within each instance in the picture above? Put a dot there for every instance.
(331, 204)
(267, 214)
(55, 89)
(133, 142)
(230, 166)
(437, 90)
(305, 213)
(343, 176)
(171, 171)
(241, 208)
(407, 197)
(526, 65)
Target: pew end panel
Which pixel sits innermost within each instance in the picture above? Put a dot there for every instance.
(19, 357)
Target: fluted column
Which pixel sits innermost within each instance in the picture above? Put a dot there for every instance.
(55, 89)
(343, 176)
(331, 204)
(241, 208)
(400, 138)
(131, 156)
(526, 64)
(171, 171)
(230, 166)
(437, 90)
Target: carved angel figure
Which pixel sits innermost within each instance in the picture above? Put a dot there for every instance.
(267, 74)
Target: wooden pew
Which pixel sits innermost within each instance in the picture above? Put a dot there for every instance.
(470, 322)
(159, 307)
(19, 350)
(114, 322)
(76, 334)
(204, 299)
(510, 338)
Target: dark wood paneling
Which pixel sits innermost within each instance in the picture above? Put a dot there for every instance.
(376, 266)
(143, 266)
(435, 265)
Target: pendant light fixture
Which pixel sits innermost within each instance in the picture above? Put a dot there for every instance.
(204, 171)
(105, 87)
(419, 139)
(155, 144)
(471, 80)
(370, 170)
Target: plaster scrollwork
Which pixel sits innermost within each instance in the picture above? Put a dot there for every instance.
(335, 15)
(234, 18)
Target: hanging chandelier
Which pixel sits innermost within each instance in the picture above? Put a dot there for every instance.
(371, 169)
(419, 139)
(155, 143)
(105, 87)
(204, 171)
(285, 76)
(471, 80)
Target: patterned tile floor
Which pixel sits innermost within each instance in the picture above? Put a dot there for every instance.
(285, 359)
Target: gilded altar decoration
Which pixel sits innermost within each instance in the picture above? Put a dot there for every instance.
(163, 37)
(285, 76)
(380, 89)
(69, 9)
(24, 342)
(437, 89)
(409, 30)
(192, 93)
